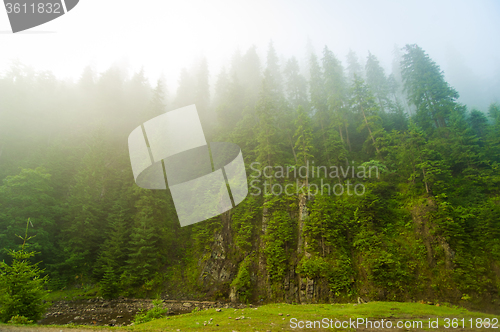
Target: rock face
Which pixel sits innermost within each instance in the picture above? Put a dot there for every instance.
(218, 270)
(225, 261)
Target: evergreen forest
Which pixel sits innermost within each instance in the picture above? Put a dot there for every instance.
(424, 224)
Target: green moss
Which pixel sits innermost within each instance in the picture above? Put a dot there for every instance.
(242, 284)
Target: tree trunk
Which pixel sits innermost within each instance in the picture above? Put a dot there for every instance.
(293, 148)
(347, 136)
(369, 130)
(324, 142)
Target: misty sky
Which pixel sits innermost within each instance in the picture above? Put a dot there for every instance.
(164, 36)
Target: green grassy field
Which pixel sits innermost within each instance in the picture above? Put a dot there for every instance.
(280, 317)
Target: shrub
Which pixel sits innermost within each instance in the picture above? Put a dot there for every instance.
(20, 320)
(156, 312)
(314, 267)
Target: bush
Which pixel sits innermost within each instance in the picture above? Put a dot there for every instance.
(314, 267)
(157, 312)
(20, 320)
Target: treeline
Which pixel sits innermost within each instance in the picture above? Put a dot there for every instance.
(427, 226)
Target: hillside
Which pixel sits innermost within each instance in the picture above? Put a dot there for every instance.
(361, 184)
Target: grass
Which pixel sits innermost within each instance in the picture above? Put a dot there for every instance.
(268, 318)
(83, 293)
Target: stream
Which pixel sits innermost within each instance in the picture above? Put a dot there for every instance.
(118, 312)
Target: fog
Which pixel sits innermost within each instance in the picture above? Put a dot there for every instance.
(165, 36)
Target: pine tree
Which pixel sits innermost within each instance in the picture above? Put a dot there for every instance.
(22, 285)
(109, 285)
(249, 74)
(397, 118)
(427, 89)
(462, 144)
(336, 92)
(21, 196)
(396, 85)
(319, 107)
(377, 81)
(157, 103)
(296, 85)
(479, 123)
(202, 87)
(296, 91)
(113, 252)
(494, 133)
(202, 99)
(221, 86)
(269, 108)
(303, 140)
(185, 90)
(353, 67)
(83, 232)
(139, 91)
(363, 103)
(146, 249)
(229, 100)
(87, 80)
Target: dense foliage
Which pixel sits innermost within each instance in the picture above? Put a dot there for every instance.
(423, 221)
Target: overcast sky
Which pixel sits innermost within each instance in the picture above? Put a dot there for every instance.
(164, 36)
